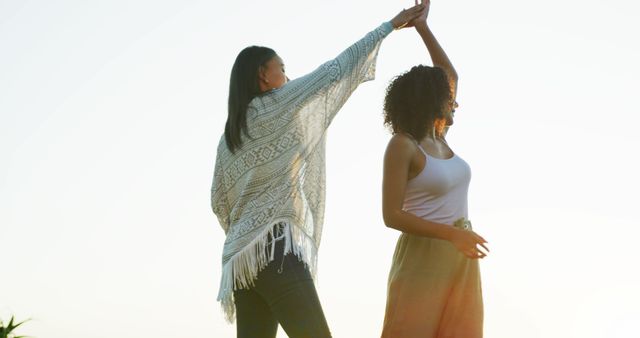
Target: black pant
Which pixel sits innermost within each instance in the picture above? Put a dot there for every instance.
(283, 293)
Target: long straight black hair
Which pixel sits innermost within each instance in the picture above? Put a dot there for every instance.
(243, 87)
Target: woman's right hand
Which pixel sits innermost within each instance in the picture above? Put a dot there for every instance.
(406, 17)
(421, 20)
(468, 242)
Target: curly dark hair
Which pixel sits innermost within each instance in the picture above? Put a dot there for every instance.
(415, 100)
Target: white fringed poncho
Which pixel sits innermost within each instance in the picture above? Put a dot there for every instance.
(278, 176)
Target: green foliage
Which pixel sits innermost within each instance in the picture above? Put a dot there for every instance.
(6, 331)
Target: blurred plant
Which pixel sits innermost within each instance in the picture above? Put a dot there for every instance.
(6, 331)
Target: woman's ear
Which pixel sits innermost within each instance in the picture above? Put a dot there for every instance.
(262, 74)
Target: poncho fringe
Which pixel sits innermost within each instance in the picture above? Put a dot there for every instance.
(242, 269)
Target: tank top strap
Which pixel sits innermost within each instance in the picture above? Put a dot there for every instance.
(418, 145)
(422, 149)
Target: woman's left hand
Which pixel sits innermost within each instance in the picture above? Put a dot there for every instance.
(407, 16)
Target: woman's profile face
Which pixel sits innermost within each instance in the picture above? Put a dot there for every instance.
(272, 75)
(451, 108)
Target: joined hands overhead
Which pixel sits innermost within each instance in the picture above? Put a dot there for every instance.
(408, 17)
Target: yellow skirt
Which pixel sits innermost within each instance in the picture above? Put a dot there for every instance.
(434, 291)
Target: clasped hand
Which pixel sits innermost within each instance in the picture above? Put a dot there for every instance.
(414, 16)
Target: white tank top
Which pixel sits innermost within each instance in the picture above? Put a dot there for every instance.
(439, 192)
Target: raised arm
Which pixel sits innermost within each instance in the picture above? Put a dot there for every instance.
(316, 97)
(357, 61)
(438, 55)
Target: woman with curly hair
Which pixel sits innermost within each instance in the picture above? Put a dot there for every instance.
(434, 287)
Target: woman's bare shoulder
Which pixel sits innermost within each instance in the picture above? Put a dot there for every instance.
(401, 145)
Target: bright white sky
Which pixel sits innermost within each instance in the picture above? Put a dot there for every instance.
(110, 112)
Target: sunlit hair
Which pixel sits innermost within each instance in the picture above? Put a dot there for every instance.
(416, 102)
(439, 125)
(243, 87)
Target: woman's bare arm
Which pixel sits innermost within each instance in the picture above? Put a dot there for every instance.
(397, 162)
(436, 52)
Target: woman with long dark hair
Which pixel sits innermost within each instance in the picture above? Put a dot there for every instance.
(268, 189)
(434, 288)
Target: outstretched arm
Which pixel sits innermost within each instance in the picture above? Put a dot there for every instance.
(332, 83)
(438, 55)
